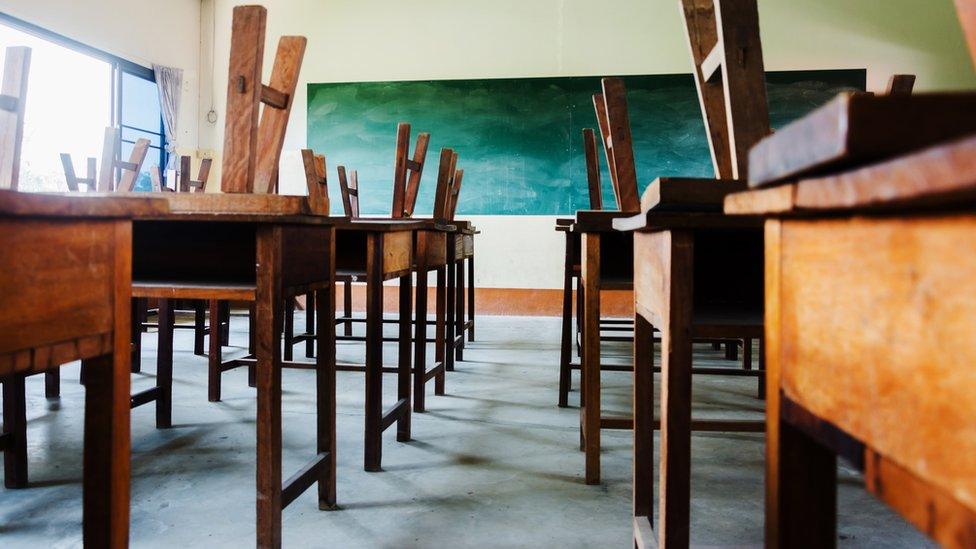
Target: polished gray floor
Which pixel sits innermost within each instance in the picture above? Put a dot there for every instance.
(494, 463)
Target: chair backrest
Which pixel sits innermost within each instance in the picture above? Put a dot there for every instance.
(252, 150)
(198, 185)
(723, 36)
(13, 102)
(407, 171)
(446, 174)
(315, 180)
(350, 192)
(103, 180)
(614, 122)
(74, 182)
(967, 17)
(455, 193)
(592, 169)
(900, 84)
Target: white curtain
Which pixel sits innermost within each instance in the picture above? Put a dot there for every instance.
(169, 80)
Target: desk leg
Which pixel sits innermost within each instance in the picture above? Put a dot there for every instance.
(449, 334)
(676, 261)
(566, 341)
(374, 353)
(52, 383)
(403, 364)
(268, 327)
(459, 310)
(471, 297)
(251, 344)
(325, 386)
(15, 424)
(164, 365)
(420, 343)
(105, 511)
(590, 413)
(442, 351)
(215, 358)
(803, 481)
(643, 406)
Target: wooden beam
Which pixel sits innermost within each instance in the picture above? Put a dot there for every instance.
(243, 99)
(16, 73)
(274, 121)
(274, 98)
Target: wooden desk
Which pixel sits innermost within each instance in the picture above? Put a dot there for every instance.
(228, 247)
(379, 250)
(880, 263)
(66, 267)
(685, 286)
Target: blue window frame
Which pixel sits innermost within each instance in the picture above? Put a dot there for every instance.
(135, 101)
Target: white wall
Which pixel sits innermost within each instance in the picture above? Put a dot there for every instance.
(369, 40)
(141, 31)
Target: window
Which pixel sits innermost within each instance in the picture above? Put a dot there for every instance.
(74, 93)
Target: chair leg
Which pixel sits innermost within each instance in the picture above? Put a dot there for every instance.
(762, 369)
(732, 350)
(347, 308)
(373, 447)
(52, 383)
(321, 306)
(164, 365)
(199, 326)
(458, 337)
(225, 322)
(251, 347)
(289, 338)
(747, 353)
(15, 425)
(403, 359)
(310, 324)
(138, 312)
(215, 358)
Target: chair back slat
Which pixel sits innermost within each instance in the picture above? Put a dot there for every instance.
(592, 169)
(726, 51)
(618, 143)
(315, 180)
(416, 172)
(13, 102)
(445, 181)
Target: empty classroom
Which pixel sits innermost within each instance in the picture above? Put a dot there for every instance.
(513, 274)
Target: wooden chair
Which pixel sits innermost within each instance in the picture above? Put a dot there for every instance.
(407, 173)
(105, 180)
(681, 242)
(253, 140)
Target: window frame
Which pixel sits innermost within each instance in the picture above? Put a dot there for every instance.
(119, 66)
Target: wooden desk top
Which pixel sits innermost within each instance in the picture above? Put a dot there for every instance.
(597, 221)
(14, 203)
(381, 224)
(939, 177)
(653, 220)
(227, 207)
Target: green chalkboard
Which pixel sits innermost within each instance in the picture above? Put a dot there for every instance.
(520, 140)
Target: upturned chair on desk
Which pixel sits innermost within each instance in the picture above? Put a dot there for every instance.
(683, 245)
(105, 180)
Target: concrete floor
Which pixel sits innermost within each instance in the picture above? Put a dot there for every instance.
(493, 464)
